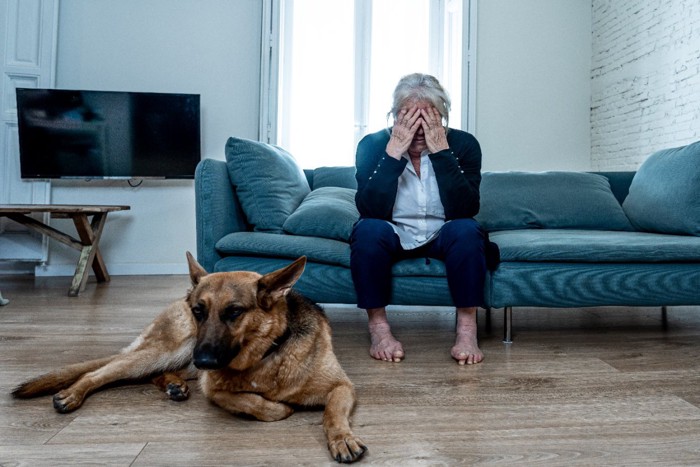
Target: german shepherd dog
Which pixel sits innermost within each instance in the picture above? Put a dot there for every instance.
(261, 348)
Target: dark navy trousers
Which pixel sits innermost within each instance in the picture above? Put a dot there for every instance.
(375, 247)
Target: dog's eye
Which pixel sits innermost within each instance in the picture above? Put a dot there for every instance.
(199, 312)
(231, 313)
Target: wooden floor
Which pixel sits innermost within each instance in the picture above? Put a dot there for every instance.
(605, 386)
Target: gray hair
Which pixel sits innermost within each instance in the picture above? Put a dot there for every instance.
(419, 86)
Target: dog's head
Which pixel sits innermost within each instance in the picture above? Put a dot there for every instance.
(239, 315)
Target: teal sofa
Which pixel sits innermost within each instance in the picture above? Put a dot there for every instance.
(566, 239)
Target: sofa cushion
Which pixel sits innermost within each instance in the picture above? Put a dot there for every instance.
(588, 246)
(419, 267)
(320, 250)
(327, 212)
(665, 192)
(317, 250)
(559, 200)
(269, 183)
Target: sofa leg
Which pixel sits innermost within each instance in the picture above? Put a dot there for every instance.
(664, 317)
(487, 319)
(508, 325)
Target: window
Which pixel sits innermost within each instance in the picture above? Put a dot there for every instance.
(331, 67)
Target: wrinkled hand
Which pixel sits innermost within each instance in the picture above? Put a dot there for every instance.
(405, 127)
(435, 137)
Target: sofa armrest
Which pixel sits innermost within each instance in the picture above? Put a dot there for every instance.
(218, 211)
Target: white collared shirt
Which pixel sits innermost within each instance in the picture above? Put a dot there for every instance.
(418, 212)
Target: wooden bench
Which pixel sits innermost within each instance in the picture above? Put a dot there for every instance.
(89, 233)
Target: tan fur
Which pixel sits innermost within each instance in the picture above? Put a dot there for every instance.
(260, 347)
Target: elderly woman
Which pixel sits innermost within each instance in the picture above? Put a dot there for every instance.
(417, 194)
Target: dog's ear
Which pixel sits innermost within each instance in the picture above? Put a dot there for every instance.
(196, 270)
(275, 285)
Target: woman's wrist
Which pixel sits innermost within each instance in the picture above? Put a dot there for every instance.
(392, 151)
(440, 148)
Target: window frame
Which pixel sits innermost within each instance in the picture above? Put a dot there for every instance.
(274, 38)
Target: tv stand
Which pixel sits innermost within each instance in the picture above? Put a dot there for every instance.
(89, 233)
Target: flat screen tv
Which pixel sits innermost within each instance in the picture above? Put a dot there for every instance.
(107, 134)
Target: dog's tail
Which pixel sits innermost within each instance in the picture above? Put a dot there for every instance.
(54, 381)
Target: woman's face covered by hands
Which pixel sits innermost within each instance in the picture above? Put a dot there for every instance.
(418, 126)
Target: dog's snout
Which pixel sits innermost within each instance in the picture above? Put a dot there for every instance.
(205, 358)
(209, 357)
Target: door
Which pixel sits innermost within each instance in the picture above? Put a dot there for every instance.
(28, 33)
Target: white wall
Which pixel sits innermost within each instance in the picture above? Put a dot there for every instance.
(533, 84)
(645, 79)
(533, 99)
(210, 48)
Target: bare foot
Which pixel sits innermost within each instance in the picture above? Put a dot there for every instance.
(384, 346)
(466, 349)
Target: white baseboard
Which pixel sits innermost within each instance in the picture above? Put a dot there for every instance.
(115, 269)
(16, 268)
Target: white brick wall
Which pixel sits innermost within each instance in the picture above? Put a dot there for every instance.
(645, 79)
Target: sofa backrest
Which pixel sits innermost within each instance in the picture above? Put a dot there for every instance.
(550, 200)
(619, 183)
(345, 177)
(342, 176)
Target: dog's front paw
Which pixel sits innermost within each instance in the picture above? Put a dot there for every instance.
(274, 412)
(346, 448)
(66, 401)
(177, 391)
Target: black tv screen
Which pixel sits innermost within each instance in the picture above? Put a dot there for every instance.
(107, 134)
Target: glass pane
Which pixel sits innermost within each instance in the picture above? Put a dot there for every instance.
(400, 45)
(317, 89)
(317, 126)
